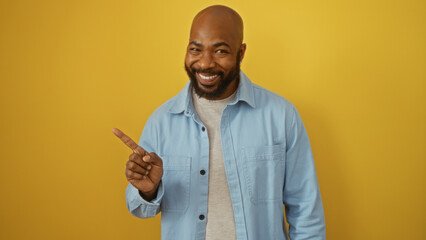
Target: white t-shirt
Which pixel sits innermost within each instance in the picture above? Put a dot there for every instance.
(220, 215)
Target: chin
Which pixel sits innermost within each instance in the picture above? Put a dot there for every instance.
(207, 88)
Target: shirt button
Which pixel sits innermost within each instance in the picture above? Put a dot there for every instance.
(201, 217)
(202, 172)
(203, 128)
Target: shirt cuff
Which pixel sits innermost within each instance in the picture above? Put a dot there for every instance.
(141, 207)
(154, 202)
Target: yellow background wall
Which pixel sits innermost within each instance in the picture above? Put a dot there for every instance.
(71, 71)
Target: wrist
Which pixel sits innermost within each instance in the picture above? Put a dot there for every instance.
(149, 195)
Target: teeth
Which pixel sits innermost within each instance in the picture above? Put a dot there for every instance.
(207, 77)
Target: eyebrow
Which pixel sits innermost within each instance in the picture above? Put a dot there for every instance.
(214, 45)
(221, 44)
(195, 43)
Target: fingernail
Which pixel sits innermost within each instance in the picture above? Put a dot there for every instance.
(144, 177)
(149, 167)
(146, 158)
(146, 173)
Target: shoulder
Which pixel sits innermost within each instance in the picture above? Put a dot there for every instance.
(163, 111)
(272, 104)
(267, 98)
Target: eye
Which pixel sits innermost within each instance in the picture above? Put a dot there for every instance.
(194, 51)
(222, 51)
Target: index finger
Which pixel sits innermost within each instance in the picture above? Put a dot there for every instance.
(128, 141)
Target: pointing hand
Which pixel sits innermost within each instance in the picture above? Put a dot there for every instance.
(143, 170)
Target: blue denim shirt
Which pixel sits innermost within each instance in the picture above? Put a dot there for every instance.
(268, 163)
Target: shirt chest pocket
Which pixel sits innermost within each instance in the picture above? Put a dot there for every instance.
(176, 181)
(263, 171)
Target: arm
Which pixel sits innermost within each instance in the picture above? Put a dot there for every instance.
(144, 171)
(301, 194)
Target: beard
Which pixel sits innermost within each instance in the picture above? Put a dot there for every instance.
(214, 92)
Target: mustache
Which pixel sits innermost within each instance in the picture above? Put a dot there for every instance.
(207, 71)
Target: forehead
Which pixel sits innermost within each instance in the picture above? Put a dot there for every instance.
(212, 29)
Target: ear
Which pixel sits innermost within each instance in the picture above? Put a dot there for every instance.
(242, 51)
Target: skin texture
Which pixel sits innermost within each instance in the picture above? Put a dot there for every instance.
(215, 48)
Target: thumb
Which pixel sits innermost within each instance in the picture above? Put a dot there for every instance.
(153, 158)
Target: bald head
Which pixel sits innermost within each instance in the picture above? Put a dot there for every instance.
(215, 51)
(219, 16)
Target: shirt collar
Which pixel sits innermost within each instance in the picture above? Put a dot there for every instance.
(183, 101)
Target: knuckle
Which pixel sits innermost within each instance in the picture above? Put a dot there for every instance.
(143, 164)
(130, 165)
(156, 157)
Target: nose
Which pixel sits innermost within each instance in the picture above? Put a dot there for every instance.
(206, 61)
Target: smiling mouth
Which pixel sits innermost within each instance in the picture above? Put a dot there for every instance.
(208, 80)
(207, 77)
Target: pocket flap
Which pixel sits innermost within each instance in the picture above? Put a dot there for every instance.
(176, 162)
(263, 153)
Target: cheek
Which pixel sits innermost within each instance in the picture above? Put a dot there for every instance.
(187, 60)
(190, 59)
(227, 64)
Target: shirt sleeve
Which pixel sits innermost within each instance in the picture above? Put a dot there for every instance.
(301, 194)
(141, 208)
(136, 205)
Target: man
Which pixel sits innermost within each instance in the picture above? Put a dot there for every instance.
(220, 158)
